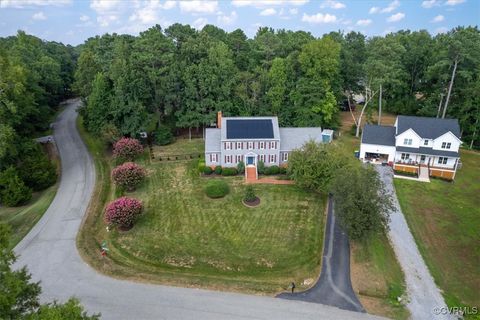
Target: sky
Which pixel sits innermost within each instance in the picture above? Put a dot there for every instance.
(74, 21)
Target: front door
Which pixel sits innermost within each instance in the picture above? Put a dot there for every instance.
(250, 160)
(422, 159)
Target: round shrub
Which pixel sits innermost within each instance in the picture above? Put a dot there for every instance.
(207, 170)
(216, 189)
(283, 170)
(250, 194)
(272, 170)
(128, 175)
(163, 136)
(218, 170)
(127, 148)
(123, 212)
(201, 165)
(261, 167)
(241, 167)
(229, 172)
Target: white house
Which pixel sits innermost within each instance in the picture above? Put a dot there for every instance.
(254, 139)
(414, 143)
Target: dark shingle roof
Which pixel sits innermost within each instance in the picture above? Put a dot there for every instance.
(250, 129)
(382, 135)
(429, 128)
(430, 151)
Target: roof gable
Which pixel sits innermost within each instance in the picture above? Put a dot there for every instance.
(428, 128)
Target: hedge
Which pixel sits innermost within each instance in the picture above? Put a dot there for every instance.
(272, 170)
(217, 189)
(207, 170)
(229, 172)
(218, 170)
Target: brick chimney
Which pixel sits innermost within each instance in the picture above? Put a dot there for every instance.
(219, 119)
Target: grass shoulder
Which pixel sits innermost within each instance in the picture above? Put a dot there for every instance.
(185, 238)
(443, 218)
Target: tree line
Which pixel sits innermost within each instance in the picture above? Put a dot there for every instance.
(179, 77)
(35, 76)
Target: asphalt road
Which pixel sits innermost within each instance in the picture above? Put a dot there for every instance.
(50, 252)
(334, 287)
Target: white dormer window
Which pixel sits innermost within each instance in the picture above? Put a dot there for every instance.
(425, 142)
(407, 142)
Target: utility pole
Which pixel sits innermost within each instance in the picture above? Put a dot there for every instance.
(380, 106)
(450, 87)
(440, 105)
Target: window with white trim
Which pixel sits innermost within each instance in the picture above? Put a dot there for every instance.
(272, 158)
(250, 145)
(262, 145)
(228, 145)
(449, 145)
(239, 146)
(425, 142)
(285, 156)
(405, 156)
(228, 159)
(407, 142)
(444, 144)
(442, 160)
(213, 157)
(239, 158)
(262, 158)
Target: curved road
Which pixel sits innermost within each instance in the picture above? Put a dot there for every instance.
(334, 287)
(50, 253)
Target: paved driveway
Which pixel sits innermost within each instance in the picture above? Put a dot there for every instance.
(51, 255)
(334, 287)
(424, 296)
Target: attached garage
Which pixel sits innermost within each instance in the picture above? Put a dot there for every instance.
(378, 144)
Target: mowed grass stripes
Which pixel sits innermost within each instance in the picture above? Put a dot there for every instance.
(186, 238)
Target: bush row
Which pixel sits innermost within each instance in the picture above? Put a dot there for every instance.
(272, 170)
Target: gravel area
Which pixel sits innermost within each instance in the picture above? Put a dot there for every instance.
(424, 298)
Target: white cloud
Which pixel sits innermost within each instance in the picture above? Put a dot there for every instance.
(198, 6)
(102, 6)
(293, 11)
(227, 19)
(392, 6)
(199, 23)
(268, 12)
(454, 2)
(441, 30)
(332, 4)
(169, 5)
(319, 18)
(32, 3)
(267, 3)
(39, 16)
(108, 11)
(364, 22)
(396, 17)
(438, 18)
(84, 18)
(427, 4)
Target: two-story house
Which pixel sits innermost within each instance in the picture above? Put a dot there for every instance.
(415, 144)
(254, 139)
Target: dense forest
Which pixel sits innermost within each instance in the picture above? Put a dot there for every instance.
(179, 77)
(35, 76)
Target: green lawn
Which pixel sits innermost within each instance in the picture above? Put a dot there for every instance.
(22, 219)
(444, 219)
(187, 239)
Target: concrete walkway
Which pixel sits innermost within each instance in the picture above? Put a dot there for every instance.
(50, 253)
(424, 296)
(334, 286)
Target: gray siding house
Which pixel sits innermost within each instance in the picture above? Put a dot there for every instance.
(254, 139)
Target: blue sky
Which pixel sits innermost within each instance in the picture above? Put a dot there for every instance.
(74, 21)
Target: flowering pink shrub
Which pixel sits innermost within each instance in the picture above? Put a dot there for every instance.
(123, 212)
(128, 175)
(127, 148)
